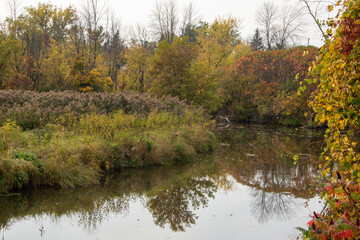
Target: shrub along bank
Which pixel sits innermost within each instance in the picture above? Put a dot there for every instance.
(337, 103)
(263, 87)
(76, 149)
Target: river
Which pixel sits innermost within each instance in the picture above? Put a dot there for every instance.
(249, 189)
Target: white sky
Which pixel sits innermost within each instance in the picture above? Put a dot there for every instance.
(131, 12)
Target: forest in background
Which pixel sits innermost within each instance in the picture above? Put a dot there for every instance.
(207, 64)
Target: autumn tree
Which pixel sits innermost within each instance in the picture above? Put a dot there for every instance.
(137, 66)
(217, 41)
(11, 66)
(337, 104)
(173, 71)
(88, 79)
(134, 75)
(219, 45)
(170, 69)
(45, 48)
(90, 69)
(56, 68)
(35, 29)
(262, 85)
(62, 22)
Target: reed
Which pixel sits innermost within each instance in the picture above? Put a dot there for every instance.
(30, 109)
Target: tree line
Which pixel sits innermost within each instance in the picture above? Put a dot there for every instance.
(87, 49)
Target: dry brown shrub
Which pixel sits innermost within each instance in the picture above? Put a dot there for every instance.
(32, 109)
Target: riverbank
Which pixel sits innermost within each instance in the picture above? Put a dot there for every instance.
(252, 170)
(74, 149)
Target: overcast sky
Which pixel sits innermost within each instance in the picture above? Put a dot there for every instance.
(131, 12)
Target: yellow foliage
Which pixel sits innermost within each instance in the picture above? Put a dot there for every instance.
(5, 132)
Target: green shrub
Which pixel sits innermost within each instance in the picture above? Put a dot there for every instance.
(29, 158)
(17, 173)
(5, 134)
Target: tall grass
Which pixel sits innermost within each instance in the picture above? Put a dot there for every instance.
(75, 149)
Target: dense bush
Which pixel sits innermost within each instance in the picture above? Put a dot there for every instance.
(263, 85)
(30, 109)
(337, 105)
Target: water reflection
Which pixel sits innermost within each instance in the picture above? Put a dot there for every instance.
(266, 206)
(175, 205)
(256, 157)
(263, 158)
(170, 193)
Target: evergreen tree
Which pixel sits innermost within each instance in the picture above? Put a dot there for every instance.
(256, 42)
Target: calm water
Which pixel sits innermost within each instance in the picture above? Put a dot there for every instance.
(249, 190)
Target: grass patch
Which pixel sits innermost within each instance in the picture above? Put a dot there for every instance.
(76, 150)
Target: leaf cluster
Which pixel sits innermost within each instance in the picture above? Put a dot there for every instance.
(337, 105)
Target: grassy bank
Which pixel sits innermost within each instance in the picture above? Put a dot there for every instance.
(76, 149)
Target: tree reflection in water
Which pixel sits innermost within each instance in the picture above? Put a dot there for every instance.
(256, 157)
(170, 193)
(266, 206)
(175, 205)
(262, 158)
(91, 219)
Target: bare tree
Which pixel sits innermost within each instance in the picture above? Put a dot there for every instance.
(189, 21)
(315, 8)
(290, 26)
(164, 20)
(140, 35)
(266, 17)
(280, 28)
(93, 12)
(114, 46)
(14, 6)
